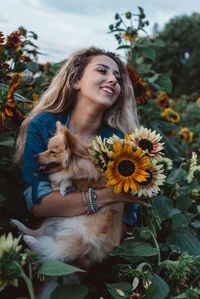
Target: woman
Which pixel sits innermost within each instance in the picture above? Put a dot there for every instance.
(92, 95)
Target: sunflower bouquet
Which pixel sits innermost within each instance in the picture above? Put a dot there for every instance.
(134, 164)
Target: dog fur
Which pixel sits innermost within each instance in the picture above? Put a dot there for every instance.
(67, 163)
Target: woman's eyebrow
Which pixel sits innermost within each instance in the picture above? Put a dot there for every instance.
(107, 67)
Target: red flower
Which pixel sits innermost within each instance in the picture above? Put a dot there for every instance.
(13, 40)
(2, 38)
(139, 87)
(10, 107)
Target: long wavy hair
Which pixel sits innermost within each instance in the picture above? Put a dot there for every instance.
(61, 96)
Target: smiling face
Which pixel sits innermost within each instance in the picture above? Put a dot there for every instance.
(100, 82)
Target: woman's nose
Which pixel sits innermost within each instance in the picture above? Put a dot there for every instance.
(112, 79)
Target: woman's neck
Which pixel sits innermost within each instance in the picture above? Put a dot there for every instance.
(85, 122)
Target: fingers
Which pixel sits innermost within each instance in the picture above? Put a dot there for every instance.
(143, 203)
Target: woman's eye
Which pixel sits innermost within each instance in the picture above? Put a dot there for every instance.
(103, 71)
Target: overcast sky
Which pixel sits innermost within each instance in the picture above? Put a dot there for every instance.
(64, 26)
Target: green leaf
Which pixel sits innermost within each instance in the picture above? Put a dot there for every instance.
(183, 200)
(149, 52)
(56, 268)
(158, 289)
(33, 67)
(125, 287)
(158, 43)
(195, 223)
(132, 248)
(143, 68)
(165, 83)
(123, 47)
(70, 291)
(153, 78)
(175, 176)
(8, 142)
(179, 221)
(184, 241)
(164, 206)
(19, 67)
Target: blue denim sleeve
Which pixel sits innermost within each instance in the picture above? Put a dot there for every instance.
(36, 185)
(130, 215)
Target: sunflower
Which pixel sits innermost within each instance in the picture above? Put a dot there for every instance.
(151, 186)
(13, 40)
(128, 166)
(186, 135)
(140, 87)
(9, 108)
(7, 243)
(46, 66)
(148, 140)
(163, 100)
(165, 162)
(192, 167)
(171, 115)
(100, 153)
(35, 96)
(9, 256)
(2, 38)
(128, 37)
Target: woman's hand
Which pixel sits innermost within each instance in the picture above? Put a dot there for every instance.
(107, 196)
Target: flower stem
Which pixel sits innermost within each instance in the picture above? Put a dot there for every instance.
(157, 247)
(28, 284)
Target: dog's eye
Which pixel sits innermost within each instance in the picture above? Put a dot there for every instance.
(52, 152)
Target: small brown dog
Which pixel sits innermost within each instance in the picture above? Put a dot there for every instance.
(67, 163)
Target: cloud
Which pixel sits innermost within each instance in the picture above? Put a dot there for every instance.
(3, 19)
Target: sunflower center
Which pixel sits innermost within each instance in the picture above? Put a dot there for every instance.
(14, 39)
(146, 144)
(148, 180)
(173, 115)
(138, 89)
(126, 168)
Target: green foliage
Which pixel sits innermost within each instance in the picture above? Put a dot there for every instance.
(56, 268)
(179, 58)
(160, 256)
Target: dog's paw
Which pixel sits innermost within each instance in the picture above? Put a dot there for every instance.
(16, 223)
(13, 222)
(69, 189)
(29, 240)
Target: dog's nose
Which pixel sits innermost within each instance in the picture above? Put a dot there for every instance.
(36, 157)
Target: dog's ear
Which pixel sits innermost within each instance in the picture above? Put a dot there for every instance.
(59, 128)
(74, 145)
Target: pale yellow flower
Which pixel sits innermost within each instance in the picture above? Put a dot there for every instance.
(7, 243)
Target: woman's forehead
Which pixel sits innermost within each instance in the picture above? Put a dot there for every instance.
(103, 60)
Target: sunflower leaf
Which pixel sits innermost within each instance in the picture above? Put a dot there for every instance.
(177, 175)
(57, 268)
(158, 289)
(164, 207)
(132, 248)
(185, 240)
(70, 291)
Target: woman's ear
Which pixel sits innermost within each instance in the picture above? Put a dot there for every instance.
(76, 86)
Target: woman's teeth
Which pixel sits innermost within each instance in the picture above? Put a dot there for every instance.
(108, 90)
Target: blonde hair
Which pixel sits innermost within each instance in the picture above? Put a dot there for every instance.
(60, 96)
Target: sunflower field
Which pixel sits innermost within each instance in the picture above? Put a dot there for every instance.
(160, 256)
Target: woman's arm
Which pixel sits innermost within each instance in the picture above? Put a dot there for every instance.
(72, 204)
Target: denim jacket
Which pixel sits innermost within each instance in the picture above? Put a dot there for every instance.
(36, 185)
